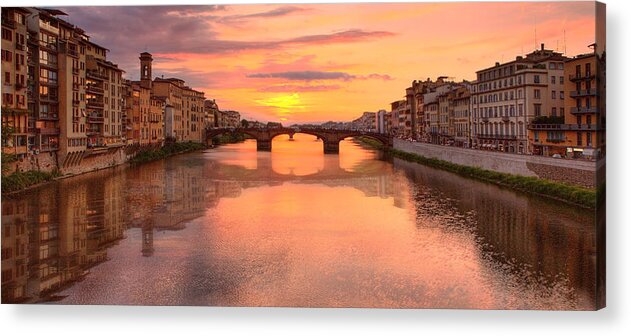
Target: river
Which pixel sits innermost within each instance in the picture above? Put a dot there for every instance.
(231, 226)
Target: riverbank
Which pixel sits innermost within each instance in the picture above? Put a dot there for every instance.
(165, 151)
(229, 138)
(18, 181)
(581, 196)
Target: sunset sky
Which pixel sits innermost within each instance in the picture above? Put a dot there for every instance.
(300, 63)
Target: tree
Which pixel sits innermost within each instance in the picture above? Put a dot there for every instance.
(7, 133)
(244, 123)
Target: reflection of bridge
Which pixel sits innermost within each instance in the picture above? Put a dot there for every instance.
(330, 138)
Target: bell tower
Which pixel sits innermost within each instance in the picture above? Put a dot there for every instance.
(145, 69)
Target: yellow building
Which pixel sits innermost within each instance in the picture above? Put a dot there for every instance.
(581, 133)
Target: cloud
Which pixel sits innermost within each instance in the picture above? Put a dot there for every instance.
(280, 11)
(352, 35)
(316, 75)
(299, 88)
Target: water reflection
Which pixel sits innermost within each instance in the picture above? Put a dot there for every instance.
(293, 227)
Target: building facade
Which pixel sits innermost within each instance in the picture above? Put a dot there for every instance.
(507, 97)
(581, 132)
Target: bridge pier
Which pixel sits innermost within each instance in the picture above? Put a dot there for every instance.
(331, 147)
(264, 145)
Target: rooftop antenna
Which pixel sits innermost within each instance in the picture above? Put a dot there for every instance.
(535, 38)
(564, 43)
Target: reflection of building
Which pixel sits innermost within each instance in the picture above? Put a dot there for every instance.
(15, 242)
(55, 237)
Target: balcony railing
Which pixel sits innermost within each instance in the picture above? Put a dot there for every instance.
(583, 110)
(49, 98)
(581, 93)
(49, 116)
(49, 147)
(564, 127)
(96, 119)
(94, 88)
(497, 136)
(95, 103)
(48, 130)
(9, 22)
(578, 76)
(96, 74)
(20, 46)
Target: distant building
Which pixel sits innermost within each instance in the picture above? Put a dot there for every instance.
(381, 122)
(210, 112)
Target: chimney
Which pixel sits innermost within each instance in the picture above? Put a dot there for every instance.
(497, 63)
(541, 46)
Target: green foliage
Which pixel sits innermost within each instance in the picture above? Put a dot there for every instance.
(20, 180)
(569, 193)
(167, 150)
(228, 138)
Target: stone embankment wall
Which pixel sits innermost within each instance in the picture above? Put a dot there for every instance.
(577, 172)
(79, 162)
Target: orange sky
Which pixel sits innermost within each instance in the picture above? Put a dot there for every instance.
(316, 62)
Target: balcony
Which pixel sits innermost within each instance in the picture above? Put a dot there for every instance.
(48, 63)
(505, 119)
(578, 76)
(583, 93)
(49, 116)
(10, 23)
(96, 119)
(497, 137)
(96, 75)
(583, 110)
(46, 147)
(48, 130)
(94, 88)
(94, 103)
(49, 98)
(564, 127)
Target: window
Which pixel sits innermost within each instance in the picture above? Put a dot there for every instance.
(537, 94)
(579, 138)
(537, 110)
(561, 78)
(554, 95)
(588, 139)
(6, 34)
(554, 111)
(537, 79)
(553, 79)
(561, 95)
(553, 66)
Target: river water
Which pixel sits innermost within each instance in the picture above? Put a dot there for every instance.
(235, 227)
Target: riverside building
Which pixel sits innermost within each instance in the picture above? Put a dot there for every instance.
(507, 97)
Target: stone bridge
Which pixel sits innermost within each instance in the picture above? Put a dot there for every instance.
(330, 138)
